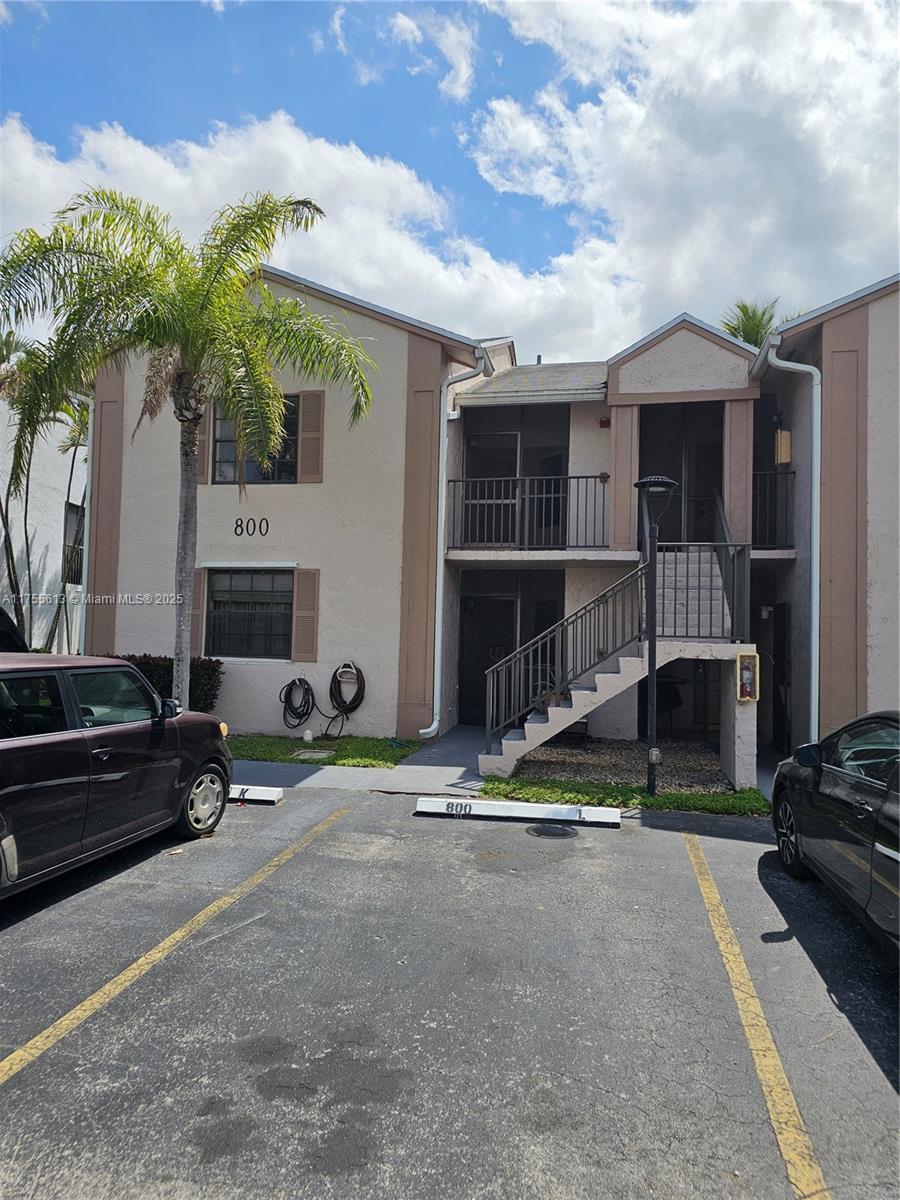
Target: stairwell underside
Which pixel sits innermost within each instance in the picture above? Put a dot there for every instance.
(594, 690)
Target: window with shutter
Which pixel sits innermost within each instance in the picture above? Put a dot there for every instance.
(198, 612)
(304, 644)
(312, 434)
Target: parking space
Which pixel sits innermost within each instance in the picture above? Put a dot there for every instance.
(412, 1008)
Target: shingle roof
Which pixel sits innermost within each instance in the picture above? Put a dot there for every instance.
(538, 384)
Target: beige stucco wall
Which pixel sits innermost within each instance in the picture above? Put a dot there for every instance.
(883, 561)
(349, 527)
(684, 361)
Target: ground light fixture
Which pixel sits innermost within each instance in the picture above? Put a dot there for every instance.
(655, 493)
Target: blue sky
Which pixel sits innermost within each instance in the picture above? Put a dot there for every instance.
(168, 70)
(574, 174)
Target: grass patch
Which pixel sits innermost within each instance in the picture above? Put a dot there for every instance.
(348, 751)
(748, 803)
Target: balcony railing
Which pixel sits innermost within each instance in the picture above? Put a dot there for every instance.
(566, 512)
(773, 510)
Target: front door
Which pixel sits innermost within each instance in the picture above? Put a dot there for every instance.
(488, 633)
(134, 756)
(43, 775)
(703, 477)
(491, 496)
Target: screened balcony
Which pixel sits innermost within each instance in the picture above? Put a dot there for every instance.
(544, 512)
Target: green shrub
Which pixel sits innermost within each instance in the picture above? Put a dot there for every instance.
(206, 677)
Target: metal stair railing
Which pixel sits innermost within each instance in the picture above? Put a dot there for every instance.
(549, 664)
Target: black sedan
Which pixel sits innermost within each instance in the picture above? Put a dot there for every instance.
(835, 810)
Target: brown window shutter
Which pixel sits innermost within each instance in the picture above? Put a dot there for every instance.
(311, 436)
(198, 612)
(304, 643)
(204, 438)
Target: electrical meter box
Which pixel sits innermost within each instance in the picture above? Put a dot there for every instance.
(747, 677)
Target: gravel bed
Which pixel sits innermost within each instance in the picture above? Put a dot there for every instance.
(685, 766)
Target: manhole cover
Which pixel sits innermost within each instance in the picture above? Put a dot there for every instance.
(552, 831)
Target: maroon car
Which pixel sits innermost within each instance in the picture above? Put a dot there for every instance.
(92, 759)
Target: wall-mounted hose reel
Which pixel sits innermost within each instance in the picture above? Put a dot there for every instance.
(298, 699)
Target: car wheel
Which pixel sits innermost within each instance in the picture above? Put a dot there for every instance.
(786, 837)
(204, 803)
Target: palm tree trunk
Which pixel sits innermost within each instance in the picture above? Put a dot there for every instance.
(61, 594)
(12, 573)
(27, 537)
(185, 560)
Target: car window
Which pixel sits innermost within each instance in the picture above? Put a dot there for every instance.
(30, 705)
(869, 750)
(111, 698)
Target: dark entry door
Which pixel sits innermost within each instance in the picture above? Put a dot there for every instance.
(488, 629)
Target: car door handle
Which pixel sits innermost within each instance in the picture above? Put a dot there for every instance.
(863, 809)
(103, 753)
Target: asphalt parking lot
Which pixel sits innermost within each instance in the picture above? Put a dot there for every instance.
(414, 1008)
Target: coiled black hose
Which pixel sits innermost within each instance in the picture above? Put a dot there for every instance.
(299, 701)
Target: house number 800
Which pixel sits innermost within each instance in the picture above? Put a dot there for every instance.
(251, 526)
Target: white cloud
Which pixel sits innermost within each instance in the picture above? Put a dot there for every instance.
(336, 25)
(405, 29)
(388, 235)
(317, 40)
(453, 37)
(366, 73)
(5, 13)
(218, 6)
(739, 149)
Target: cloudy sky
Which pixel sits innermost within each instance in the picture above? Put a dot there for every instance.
(572, 174)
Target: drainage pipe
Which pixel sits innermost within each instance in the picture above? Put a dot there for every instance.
(815, 526)
(482, 366)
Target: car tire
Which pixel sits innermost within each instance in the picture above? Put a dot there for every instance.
(204, 803)
(785, 822)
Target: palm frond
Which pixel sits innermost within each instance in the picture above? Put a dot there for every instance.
(243, 235)
(314, 346)
(750, 320)
(129, 222)
(239, 381)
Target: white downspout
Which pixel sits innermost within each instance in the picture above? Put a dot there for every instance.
(815, 526)
(86, 530)
(481, 362)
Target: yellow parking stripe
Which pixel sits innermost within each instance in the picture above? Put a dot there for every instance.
(803, 1171)
(19, 1059)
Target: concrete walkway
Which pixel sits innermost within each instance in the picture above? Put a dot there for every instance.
(446, 766)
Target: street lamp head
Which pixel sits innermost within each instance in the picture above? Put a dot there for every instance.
(656, 492)
(656, 485)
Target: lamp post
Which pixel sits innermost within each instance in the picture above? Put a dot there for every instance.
(655, 492)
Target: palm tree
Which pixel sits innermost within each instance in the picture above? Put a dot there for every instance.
(750, 320)
(117, 280)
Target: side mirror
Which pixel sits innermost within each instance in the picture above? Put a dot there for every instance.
(809, 755)
(170, 708)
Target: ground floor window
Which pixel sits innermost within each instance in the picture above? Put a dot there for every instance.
(249, 614)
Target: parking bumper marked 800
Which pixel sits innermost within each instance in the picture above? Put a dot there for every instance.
(38, 1045)
(803, 1170)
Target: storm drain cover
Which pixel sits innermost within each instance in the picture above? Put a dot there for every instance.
(552, 831)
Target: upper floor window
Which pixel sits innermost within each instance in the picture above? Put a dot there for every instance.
(283, 464)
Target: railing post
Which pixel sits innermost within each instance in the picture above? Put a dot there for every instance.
(488, 711)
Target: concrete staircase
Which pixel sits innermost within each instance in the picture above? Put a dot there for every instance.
(693, 621)
(690, 596)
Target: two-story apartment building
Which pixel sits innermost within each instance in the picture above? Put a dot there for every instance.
(476, 546)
